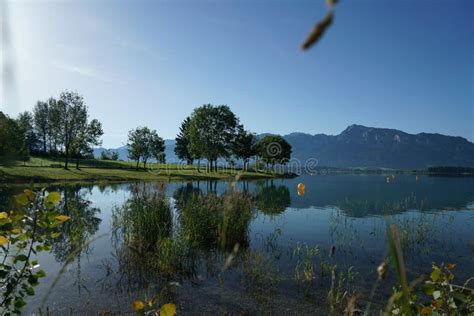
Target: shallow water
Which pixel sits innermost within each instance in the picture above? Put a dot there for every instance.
(348, 213)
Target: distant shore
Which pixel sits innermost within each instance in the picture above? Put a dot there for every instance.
(47, 170)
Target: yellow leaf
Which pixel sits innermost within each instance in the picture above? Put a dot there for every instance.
(435, 274)
(3, 240)
(138, 305)
(3, 215)
(30, 195)
(21, 199)
(451, 266)
(16, 231)
(168, 310)
(53, 198)
(62, 218)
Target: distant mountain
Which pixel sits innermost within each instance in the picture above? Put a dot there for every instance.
(361, 146)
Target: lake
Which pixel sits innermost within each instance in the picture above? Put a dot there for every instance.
(249, 247)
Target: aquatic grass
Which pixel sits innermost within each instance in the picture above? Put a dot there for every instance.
(144, 219)
(260, 275)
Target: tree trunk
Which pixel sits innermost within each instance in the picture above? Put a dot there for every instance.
(138, 161)
(44, 144)
(77, 163)
(67, 157)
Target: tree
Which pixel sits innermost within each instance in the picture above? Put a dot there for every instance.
(182, 143)
(274, 149)
(211, 132)
(55, 125)
(41, 121)
(157, 147)
(243, 146)
(12, 137)
(143, 144)
(76, 133)
(114, 155)
(88, 136)
(25, 122)
(109, 155)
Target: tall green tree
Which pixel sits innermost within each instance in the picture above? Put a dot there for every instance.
(244, 146)
(274, 149)
(55, 125)
(144, 144)
(25, 121)
(88, 136)
(182, 143)
(211, 132)
(157, 147)
(75, 126)
(41, 122)
(12, 137)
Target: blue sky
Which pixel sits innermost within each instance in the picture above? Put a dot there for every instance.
(397, 64)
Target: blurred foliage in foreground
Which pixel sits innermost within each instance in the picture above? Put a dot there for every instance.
(24, 232)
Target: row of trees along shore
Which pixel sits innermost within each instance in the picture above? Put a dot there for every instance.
(62, 128)
(55, 128)
(213, 132)
(209, 133)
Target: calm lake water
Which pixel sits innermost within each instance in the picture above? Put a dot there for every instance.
(346, 213)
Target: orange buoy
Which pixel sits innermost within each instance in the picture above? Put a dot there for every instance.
(301, 186)
(300, 192)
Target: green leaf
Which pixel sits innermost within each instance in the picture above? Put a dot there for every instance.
(21, 199)
(428, 288)
(19, 303)
(53, 198)
(30, 291)
(40, 274)
(435, 274)
(20, 258)
(29, 194)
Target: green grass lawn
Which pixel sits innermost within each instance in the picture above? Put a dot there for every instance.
(45, 169)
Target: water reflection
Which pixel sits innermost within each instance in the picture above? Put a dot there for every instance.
(273, 199)
(184, 232)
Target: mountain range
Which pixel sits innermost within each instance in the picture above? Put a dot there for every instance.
(367, 147)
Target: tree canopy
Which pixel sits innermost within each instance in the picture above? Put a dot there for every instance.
(144, 144)
(274, 149)
(182, 143)
(12, 137)
(211, 132)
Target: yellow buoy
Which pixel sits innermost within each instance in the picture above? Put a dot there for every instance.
(301, 186)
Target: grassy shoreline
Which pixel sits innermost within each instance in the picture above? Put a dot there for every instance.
(52, 170)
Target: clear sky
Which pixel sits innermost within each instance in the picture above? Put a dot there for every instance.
(398, 64)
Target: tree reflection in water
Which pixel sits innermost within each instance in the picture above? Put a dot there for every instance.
(76, 233)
